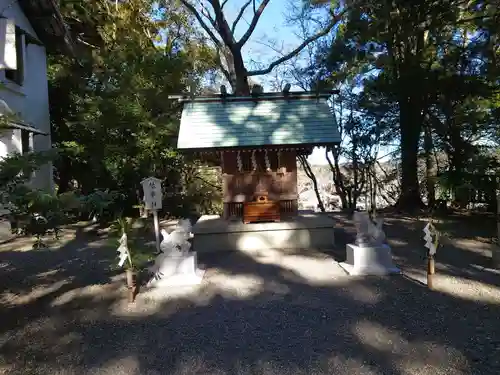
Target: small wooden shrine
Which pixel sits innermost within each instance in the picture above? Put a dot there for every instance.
(258, 139)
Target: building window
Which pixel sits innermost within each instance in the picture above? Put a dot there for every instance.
(25, 141)
(17, 75)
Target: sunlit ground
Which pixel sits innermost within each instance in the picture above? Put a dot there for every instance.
(269, 312)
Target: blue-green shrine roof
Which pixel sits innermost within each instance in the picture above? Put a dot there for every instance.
(263, 121)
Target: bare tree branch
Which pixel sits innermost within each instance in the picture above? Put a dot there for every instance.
(309, 173)
(270, 46)
(224, 3)
(222, 25)
(240, 14)
(225, 72)
(206, 13)
(253, 23)
(217, 187)
(305, 43)
(205, 27)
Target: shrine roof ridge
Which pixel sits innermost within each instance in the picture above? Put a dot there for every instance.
(292, 95)
(217, 124)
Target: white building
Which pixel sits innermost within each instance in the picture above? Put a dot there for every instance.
(27, 29)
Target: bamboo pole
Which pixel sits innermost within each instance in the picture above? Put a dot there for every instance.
(495, 253)
(431, 270)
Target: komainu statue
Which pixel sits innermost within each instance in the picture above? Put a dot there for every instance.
(369, 231)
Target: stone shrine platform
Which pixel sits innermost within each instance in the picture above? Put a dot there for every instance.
(306, 230)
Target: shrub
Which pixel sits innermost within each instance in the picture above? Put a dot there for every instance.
(38, 213)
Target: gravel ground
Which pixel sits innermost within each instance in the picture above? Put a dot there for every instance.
(63, 313)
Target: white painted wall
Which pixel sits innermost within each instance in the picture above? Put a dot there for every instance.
(31, 100)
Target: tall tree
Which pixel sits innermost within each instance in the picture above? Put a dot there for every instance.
(212, 17)
(110, 113)
(400, 42)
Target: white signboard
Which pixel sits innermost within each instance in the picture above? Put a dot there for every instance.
(152, 193)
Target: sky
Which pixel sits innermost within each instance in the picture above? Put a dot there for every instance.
(272, 29)
(271, 23)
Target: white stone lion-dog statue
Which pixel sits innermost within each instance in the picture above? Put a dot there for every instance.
(369, 231)
(175, 257)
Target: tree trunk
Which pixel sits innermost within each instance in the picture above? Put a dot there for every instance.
(373, 189)
(367, 189)
(356, 191)
(350, 204)
(429, 167)
(310, 174)
(64, 173)
(337, 177)
(409, 118)
(457, 157)
(238, 75)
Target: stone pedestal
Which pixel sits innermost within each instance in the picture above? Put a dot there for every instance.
(177, 270)
(376, 260)
(5, 230)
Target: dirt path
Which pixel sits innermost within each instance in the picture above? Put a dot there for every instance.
(63, 312)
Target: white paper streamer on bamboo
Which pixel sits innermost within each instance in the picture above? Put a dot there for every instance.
(254, 161)
(268, 164)
(239, 162)
(123, 250)
(431, 244)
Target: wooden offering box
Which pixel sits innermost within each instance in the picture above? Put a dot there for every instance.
(261, 210)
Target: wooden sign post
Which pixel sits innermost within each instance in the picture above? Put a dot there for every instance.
(153, 201)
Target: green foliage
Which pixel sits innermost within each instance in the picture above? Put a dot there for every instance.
(37, 213)
(17, 169)
(101, 204)
(428, 64)
(112, 119)
(33, 212)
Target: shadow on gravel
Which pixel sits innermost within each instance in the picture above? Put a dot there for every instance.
(38, 277)
(459, 254)
(284, 325)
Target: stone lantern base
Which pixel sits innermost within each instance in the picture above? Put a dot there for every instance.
(374, 260)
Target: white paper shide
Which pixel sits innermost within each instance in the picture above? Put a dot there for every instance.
(123, 253)
(429, 231)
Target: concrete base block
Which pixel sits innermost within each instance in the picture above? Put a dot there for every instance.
(181, 279)
(212, 234)
(5, 230)
(179, 270)
(369, 260)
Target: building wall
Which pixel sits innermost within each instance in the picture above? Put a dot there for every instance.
(30, 100)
